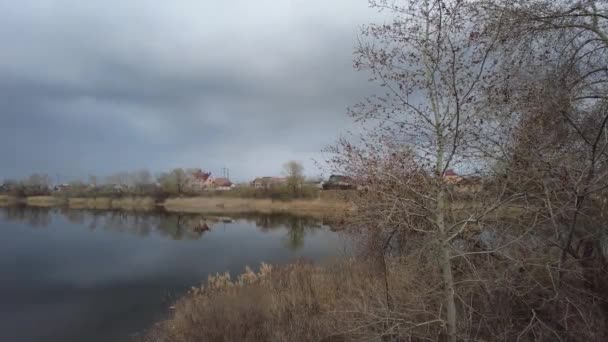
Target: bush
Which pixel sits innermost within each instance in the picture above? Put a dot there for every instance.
(283, 304)
(357, 300)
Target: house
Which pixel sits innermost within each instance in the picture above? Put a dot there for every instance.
(61, 187)
(268, 182)
(314, 182)
(197, 180)
(120, 187)
(221, 184)
(451, 177)
(339, 182)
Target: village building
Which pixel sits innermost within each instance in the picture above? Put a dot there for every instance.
(197, 180)
(268, 182)
(339, 182)
(220, 184)
(451, 177)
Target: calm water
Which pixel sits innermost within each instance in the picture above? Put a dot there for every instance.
(105, 276)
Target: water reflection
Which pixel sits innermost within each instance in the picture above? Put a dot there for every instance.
(73, 275)
(175, 226)
(33, 216)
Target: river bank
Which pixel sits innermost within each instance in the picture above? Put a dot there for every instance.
(8, 200)
(321, 207)
(340, 301)
(244, 205)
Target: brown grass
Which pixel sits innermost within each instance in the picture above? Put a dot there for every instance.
(293, 303)
(133, 203)
(89, 203)
(326, 208)
(338, 195)
(243, 205)
(356, 300)
(6, 200)
(105, 203)
(44, 201)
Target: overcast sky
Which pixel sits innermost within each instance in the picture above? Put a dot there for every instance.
(92, 87)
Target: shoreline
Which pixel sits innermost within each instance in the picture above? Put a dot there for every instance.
(322, 207)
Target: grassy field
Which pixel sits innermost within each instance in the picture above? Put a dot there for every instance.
(104, 203)
(134, 203)
(44, 201)
(8, 200)
(89, 203)
(325, 206)
(243, 205)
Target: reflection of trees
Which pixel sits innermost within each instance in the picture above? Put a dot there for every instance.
(296, 232)
(297, 227)
(274, 221)
(96, 216)
(174, 226)
(73, 216)
(39, 218)
(34, 216)
(143, 224)
(171, 225)
(140, 224)
(182, 226)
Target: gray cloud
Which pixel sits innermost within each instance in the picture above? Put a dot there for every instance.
(95, 87)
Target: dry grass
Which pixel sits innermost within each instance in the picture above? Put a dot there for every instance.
(305, 207)
(105, 203)
(294, 303)
(338, 195)
(89, 203)
(357, 300)
(44, 201)
(6, 200)
(243, 205)
(133, 203)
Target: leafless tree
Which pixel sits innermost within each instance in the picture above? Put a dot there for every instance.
(175, 181)
(295, 175)
(433, 60)
(37, 184)
(552, 94)
(512, 95)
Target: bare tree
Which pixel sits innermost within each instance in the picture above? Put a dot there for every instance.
(433, 61)
(37, 184)
(141, 181)
(174, 182)
(552, 90)
(563, 81)
(295, 175)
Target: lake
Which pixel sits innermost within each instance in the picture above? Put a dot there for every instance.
(68, 275)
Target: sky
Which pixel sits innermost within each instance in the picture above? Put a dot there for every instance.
(95, 87)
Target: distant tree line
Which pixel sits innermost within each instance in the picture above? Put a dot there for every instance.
(34, 185)
(120, 184)
(175, 183)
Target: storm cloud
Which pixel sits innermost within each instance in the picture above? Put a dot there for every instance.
(92, 87)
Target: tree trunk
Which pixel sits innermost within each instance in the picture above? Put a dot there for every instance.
(448, 283)
(445, 264)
